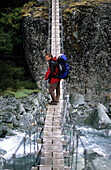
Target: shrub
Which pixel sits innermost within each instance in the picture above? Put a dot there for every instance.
(29, 85)
(14, 78)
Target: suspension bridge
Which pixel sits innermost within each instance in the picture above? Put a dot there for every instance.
(55, 142)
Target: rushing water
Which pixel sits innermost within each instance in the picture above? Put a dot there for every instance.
(98, 141)
(95, 141)
(10, 144)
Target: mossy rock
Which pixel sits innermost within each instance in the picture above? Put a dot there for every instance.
(74, 6)
(35, 10)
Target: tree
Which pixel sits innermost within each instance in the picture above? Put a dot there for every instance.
(10, 34)
(12, 3)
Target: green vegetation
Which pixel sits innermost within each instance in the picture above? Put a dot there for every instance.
(13, 78)
(11, 27)
(11, 4)
(11, 23)
(20, 93)
(10, 32)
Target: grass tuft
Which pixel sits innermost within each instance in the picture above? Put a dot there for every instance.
(21, 93)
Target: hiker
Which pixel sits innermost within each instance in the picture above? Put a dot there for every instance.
(52, 76)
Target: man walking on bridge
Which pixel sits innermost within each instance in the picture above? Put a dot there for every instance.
(52, 76)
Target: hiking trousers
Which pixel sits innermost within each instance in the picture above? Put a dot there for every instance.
(52, 88)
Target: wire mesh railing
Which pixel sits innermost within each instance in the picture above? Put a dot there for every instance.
(27, 153)
(77, 155)
(61, 29)
(49, 29)
(28, 156)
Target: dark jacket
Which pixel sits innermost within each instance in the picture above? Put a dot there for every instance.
(52, 70)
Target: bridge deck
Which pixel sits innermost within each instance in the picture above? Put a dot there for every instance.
(52, 153)
(52, 156)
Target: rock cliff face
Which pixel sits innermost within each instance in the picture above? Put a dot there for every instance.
(35, 40)
(87, 43)
(35, 35)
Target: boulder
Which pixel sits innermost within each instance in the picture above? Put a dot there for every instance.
(98, 118)
(3, 130)
(8, 117)
(76, 99)
(26, 121)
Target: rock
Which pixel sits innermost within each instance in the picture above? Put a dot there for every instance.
(109, 110)
(39, 85)
(102, 163)
(98, 118)
(27, 108)
(99, 162)
(2, 113)
(39, 97)
(3, 130)
(26, 120)
(14, 121)
(2, 152)
(35, 102)
(35, 32)
(102, 114)
(34, 113)
(2, 162)
(76, 99)
(20, 108)
(89, 53)
(8, 117)
(10, 132)
(16, 113)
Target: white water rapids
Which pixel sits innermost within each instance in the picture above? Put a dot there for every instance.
(11, 143)
(98, 141)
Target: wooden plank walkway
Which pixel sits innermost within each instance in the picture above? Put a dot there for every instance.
(55, 34)
(52, 153)
(52, 156)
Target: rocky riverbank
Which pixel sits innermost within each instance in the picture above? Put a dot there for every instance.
(92, 121)
(19, 113)
(95, 115)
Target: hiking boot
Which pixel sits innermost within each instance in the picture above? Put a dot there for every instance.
(53, 103)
